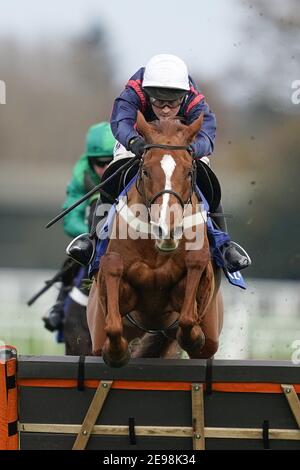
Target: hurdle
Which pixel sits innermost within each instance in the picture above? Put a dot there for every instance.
(70, 402)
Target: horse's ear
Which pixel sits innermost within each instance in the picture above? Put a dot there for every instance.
(142, 126)
(193, 129)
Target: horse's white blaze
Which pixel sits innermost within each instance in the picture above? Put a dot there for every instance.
(168, 165)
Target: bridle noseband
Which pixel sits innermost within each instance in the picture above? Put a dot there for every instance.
(148, 203)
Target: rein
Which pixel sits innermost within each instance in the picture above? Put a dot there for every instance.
(188, 148)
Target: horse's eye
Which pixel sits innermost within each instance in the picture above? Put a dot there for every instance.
(145, 172)
(190, 174)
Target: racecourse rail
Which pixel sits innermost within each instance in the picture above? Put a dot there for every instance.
(69, 402)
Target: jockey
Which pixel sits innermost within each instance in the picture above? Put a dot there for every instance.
(87, 173)
(162, 90)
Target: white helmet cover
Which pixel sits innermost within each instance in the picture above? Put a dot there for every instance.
(166, 71)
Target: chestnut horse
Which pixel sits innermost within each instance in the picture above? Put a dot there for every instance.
(166, 284)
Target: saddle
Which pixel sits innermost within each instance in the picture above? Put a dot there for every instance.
(206, 181)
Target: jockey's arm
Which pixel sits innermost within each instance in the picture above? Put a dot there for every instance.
(123, 117)
(74, 222)
(204, 142)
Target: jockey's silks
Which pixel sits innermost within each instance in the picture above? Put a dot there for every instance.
(133, 98)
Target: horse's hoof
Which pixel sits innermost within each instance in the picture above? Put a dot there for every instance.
(195, 350)
(112, 362)
(193, 346)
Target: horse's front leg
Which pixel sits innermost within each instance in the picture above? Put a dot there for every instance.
(190, 336)
(115, 351)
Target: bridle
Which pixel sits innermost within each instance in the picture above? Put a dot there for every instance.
(182, 203)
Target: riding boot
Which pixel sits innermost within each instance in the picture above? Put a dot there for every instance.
(55, 317)
(235, 257)
(82, 248)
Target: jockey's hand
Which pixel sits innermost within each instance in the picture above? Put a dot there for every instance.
(137, 145)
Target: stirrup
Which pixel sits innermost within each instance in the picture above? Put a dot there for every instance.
(77, 256)
(243, 251)
(230, 268)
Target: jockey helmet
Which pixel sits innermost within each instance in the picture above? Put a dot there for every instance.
(166, 77)
(100, 142)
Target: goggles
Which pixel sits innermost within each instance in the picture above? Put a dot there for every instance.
(100, 163)
(162, 103)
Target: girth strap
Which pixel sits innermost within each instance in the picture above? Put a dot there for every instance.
(153, 332)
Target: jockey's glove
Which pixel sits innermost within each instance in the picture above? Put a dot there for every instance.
(137, 145)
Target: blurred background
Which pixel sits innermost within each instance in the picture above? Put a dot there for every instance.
(65, 61)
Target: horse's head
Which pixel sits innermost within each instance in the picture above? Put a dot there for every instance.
(167, 176)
